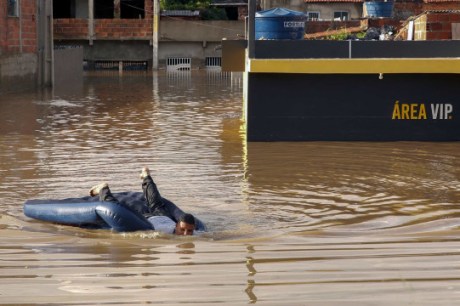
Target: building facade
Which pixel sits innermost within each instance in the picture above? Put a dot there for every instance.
(25, 44)
(117, 32)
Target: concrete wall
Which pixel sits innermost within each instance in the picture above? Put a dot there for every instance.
(200, 30)
(194, 50)
(18, 72)
(106, 50)
(68, 64)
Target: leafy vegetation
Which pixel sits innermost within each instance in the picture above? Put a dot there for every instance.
(344, 35)
(204, 6)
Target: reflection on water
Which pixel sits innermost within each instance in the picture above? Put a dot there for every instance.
(291, 223)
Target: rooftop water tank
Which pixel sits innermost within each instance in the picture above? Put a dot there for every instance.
(379, 8)
(280, 23)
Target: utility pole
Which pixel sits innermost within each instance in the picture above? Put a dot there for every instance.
(156, 30)
(90, 21)
(45, 43)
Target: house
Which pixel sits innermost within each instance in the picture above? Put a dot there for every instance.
(321, 10)
(25, 45)
(338, 10)
(119, 33)
(234, 9)
(109, 30)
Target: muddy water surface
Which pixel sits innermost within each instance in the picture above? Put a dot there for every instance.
(290, 223)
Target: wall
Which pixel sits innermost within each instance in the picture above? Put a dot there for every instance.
(19, 34)
(18, 72)
(351, 107)
(104, 29)
(18, 47)
(355, 10)
(194, 50)
(200, 30)
(439, 25)
(74, 28)
(195, 39)
(68, 69)
(435, 26)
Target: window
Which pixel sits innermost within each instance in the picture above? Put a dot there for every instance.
(132, 9)
(341, 16)
(103, 9)
(124, 9)
(13, 8)
(312, 16)
(63, 9)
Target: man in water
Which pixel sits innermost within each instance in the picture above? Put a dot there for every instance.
(165, 216)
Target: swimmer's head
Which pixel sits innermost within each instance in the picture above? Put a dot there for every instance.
(186, 225)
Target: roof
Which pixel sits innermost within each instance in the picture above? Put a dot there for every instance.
(229, 2)
(441, 12)
(180, 13)
(335, 1)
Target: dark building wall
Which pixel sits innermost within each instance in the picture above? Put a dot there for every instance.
(335, 107)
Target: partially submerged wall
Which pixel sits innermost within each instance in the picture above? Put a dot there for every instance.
(18, 72)
(18, 47)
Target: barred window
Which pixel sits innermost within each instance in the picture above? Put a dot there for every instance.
(341, 16)
(313, 16)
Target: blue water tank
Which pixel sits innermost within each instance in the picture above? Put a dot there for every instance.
(280, 23)
(379, 8)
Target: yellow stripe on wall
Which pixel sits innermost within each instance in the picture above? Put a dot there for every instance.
(358, 66)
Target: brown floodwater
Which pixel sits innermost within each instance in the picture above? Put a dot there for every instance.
(302, 223)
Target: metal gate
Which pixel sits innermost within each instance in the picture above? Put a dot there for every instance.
(178, 63)
(213, 63)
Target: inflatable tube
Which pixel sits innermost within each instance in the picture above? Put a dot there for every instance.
(108, 215)
(121, 218)
(89, 212)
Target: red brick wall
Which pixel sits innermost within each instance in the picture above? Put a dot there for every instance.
(12, 39)
(439, 25)
(74, 28)
(126, 28)
(123, 28)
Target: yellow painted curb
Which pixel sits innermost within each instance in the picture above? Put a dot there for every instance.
(357, 66)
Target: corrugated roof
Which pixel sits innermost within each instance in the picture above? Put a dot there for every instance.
(180, 13)
(229, 2)
(441, 12)
(335, 1)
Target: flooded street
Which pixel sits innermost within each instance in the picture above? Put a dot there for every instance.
(306, 223)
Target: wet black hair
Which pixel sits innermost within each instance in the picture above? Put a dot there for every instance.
(187, 218)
